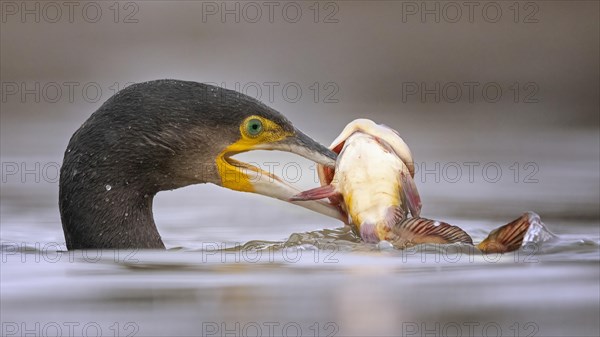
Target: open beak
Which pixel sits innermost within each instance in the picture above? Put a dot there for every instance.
(265, 183)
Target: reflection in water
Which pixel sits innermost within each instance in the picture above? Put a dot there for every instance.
(321, 282)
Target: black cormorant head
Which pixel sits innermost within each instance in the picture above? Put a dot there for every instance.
(167, 134)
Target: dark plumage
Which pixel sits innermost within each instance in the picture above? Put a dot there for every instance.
(149, 137)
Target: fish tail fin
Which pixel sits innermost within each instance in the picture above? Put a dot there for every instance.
(322, 192)
(510, 236)
(420, 230)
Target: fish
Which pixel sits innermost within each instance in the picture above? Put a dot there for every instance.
(524, 230)
(372, 181)
(527, 229)
(373, 186)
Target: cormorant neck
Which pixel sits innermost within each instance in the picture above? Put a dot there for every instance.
(106, 216)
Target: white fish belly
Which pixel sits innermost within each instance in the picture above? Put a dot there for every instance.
(368, 177)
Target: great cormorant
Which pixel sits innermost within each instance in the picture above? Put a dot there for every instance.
(162, 135)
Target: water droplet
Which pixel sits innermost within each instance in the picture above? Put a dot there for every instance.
(108, 187)
(68, 150)
(384, 245)
(126, 214)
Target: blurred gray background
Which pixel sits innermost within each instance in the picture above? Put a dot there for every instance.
(373, 59)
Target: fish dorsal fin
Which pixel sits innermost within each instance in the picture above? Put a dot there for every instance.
(510, 236)
(420, 230)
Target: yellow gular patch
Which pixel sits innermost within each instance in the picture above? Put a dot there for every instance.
(254, 130)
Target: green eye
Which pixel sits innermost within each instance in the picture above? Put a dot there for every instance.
(254, 127)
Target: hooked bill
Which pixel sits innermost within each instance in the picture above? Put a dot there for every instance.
(372, 181)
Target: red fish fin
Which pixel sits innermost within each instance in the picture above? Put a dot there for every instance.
(394, 216)
(338, 148)
(411, 194)
(322, 192)
(327, 173)
(420, 230)
(510, 236)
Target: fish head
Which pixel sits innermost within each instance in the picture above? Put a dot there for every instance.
(389, 138)
(350, 143)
